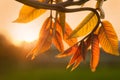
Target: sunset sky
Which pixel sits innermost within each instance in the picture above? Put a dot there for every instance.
(16, 32)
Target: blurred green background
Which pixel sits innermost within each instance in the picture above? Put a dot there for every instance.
(14, 65)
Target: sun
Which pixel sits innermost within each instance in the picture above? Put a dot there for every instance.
(24, 33)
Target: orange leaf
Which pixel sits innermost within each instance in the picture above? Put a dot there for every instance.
(88, 42)
(83, 49)
(62, 18)
(45, 39)
(77, 62)
(68, 31)
(58, 28)
(68, 52)
(95, 53)
(76, 59)
(79, 55)
(108, 38)
(57, 41)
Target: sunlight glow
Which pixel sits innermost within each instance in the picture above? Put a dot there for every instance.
(25, 33)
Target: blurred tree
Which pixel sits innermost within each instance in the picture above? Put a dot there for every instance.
(10, 55)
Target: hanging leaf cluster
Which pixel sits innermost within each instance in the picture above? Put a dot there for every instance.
(95, 31)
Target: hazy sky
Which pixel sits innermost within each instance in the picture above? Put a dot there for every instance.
(9, 10)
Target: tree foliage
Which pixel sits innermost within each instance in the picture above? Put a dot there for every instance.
(95, 31)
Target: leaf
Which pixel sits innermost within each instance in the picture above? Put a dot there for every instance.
(62, 18)
(88, 42)
(95, 53)
(108, 38)
(58, 28)
(68, 31)
(57, 41)
(45, 39)
(76, 59)
(83, 49)
(57, 37)
(85, 26)
(28, 14)
(77, 62)
(68, 52)
(62, 21)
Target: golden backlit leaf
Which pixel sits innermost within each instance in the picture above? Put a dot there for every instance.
(57, 41)
(86, 26)
(45, 39)
(95, 53)
(108, 38)
(68, 31)
(28, 14)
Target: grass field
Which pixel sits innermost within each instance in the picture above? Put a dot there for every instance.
(59, 73)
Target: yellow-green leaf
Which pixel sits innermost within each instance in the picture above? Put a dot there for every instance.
(108, 38)
(86, 26)
(28, 14)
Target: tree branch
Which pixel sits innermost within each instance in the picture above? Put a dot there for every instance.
(58, 6)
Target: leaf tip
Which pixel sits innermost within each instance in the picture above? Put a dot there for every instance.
(59, 56)
(68, 66)
(14, 21)
(17, 21)
(93, 69)
(33, 57)
(118, 54)
(73, 69)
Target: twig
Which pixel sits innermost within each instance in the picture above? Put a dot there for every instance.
(58, 6)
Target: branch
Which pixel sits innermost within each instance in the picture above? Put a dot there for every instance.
(58, 6)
